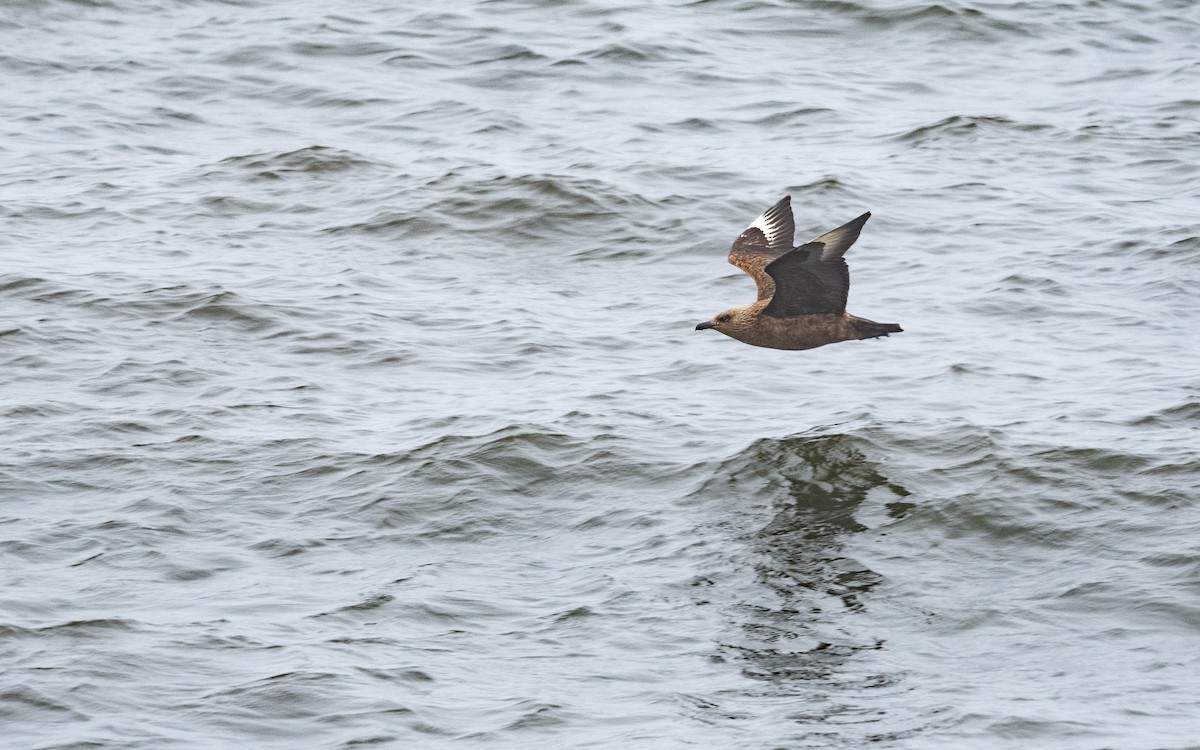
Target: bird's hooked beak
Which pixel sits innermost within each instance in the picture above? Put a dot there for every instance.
(705, 325)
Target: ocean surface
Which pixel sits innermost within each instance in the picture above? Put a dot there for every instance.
(350, 397)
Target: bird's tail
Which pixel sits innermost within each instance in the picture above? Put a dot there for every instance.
(869, 329)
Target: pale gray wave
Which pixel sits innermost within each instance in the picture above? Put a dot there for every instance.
(351, 395)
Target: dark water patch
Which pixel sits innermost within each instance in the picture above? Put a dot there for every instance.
(921, 21)
(71, 211)
(1171, 494)
(426, 115)
(563, 200)
(292, 696)
(18, 701)
(261, 57)
(430, 24)
(791, 116)
(30, 287)
(277, 547)
(828, 185)
(230, 308)
(337, 344)
(1185, 251)
(389, 223)
(1090, 462)
(582, 7)
(398, 674)
(630, 53)
(372, 603)
(505, 53)
(535, 714)
(31, 66)
(627, 53)
(184, 304)
(178, 116)
(498, 473)
(625, 518)
(498, 124)
(414, 61)
(520, 208)
(510, 67)
(87, 629)
(1146, 250)
(1025, 284)
(310, 161)
(956, 21)
(1187, 106)
(695, 124)
(959, 126)
(118, 427)
(528, 457)
(294, 95)
(78, 463)
(183, 86)
(371, 741)
(38, 411)
(346, 48)
(1185, 412)
(225, 206)
(1185, 565)
(1037, 494)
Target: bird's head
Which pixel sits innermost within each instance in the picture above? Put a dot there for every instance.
(729, 322)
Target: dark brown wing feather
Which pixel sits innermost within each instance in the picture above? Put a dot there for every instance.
(806, 283)
(838, 241)
(814, 278)
(768, 237)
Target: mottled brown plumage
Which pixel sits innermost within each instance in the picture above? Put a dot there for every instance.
(801, 291)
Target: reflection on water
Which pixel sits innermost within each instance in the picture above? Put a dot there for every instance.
(794, 631)
(827, 480)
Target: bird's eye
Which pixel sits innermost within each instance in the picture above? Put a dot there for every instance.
(722, 318)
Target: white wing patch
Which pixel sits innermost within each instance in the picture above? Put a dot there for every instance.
(776, 224)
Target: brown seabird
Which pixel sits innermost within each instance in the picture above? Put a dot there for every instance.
(801, 291)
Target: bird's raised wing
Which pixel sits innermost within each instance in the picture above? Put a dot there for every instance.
(838, 241)
(814, 278)
(768, 237)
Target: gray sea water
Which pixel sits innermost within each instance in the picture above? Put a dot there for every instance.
(350, 397)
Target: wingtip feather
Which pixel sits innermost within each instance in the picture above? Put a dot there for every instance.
(777, 225)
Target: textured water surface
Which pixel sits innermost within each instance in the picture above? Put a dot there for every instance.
(350, 393)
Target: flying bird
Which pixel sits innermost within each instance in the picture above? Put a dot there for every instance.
(801, 290)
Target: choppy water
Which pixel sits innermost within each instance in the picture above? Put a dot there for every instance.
(350, 394)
